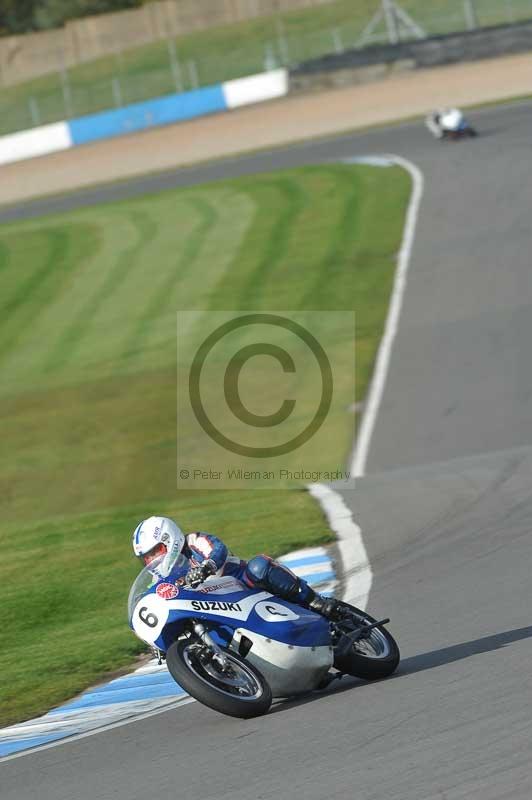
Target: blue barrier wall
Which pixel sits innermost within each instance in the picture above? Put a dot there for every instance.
(161, 111)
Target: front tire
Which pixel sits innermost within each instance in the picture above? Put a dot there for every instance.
(239, 691)
(372, 658)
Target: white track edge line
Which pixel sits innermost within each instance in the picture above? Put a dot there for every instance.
(357, 574)
(356, 583)
(376, 389)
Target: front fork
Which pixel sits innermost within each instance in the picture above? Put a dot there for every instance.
(214, 649)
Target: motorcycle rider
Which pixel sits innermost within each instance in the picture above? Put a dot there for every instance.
(442, 120)
(167, 552)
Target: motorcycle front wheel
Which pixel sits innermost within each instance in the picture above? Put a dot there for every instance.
(237, 688)
(372, 657)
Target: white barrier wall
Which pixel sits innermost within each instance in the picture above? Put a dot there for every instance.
(256, 88)
(35, 142)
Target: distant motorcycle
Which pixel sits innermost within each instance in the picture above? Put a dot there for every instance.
(450, 123)
(234, 648)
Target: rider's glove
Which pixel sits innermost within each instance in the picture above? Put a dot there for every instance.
(197, 575)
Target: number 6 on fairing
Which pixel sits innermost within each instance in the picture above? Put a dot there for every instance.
(148, 619)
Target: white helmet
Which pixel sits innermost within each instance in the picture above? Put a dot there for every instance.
(451, 118)
(159, 543)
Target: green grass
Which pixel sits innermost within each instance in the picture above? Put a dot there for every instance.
(87, 399)
(224, 53)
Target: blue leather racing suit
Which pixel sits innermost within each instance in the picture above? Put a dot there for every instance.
(260, 572)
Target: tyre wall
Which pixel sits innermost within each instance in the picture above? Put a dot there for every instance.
(371, 63)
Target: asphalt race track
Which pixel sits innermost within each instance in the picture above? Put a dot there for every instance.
(446, 512)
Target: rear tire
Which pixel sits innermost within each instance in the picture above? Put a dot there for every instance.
(242, 693)
(382, 653)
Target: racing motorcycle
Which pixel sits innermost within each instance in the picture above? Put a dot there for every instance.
(450, 124)
(234, 648)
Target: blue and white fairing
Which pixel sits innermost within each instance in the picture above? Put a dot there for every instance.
(291, 645)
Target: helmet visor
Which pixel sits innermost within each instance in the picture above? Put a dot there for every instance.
(154, 556)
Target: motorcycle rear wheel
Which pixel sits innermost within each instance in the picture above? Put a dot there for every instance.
(372, 658)
(239, 690)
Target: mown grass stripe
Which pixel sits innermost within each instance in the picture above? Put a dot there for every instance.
(57, 238)
(66, 346)
(185, 263)
(29, 301)
(5, 256)
(307, 242)
(342, 238)
(234, 288)
(293, 203)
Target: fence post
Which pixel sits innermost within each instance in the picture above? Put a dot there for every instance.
(67, 94)
(119, 59)
(270, 62)
(337, 41)
(284, 50)
(117, 92)
(470, 15)
(34, 111)
(193, 74)
(174, 65)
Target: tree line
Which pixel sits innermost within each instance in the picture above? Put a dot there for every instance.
(20, 16)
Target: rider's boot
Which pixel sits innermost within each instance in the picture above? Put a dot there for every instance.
(328, 607)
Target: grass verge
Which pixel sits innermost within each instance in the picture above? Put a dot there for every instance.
(87, 401)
